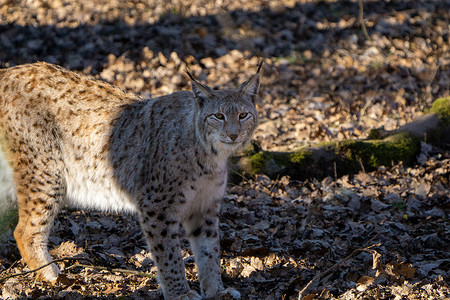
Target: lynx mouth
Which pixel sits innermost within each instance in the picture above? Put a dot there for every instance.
(231, 143)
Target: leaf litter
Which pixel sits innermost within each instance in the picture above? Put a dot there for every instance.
(377, 235)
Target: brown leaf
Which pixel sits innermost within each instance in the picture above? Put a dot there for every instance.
(406, 270)
(64, 280)
(65, 249)
(111, 289)
(364, 282)
(376, 264)
(401, 270)
(309, 297)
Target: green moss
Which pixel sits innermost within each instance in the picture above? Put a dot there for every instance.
(353, 155)
(275, 164)
(334, 158)
(300, 160)
(328, 146)
(300, 157)
(374, 153)
(294, 164)
(257, 162)
(441, 106)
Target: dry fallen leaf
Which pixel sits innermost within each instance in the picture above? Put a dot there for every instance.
(364, 282)
(401, 270)
(309, 297)
(376, 263)
(322, 81)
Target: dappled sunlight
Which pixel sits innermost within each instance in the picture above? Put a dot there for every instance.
(379, 233)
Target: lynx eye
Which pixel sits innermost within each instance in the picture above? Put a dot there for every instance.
(219, 116)
(243, 115)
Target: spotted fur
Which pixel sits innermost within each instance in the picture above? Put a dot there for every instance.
(71, 139)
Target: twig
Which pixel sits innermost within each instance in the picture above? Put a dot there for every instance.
(240, 175)
(143, 274)
(371, 240)
(46, 265)
(335, 170)
(362, 165)
(361, 20)
(274, 184)
(125, 271)
(317, 278)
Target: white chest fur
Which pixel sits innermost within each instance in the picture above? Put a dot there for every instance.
(206, 189)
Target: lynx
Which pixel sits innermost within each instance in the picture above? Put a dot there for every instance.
(69, 139)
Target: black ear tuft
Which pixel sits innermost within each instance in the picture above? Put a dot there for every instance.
(251, 86)
(189, 74)
(260, 64)
(201, 92)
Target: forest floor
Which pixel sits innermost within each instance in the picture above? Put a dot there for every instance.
(378, 235)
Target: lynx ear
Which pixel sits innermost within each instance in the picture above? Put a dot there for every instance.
(251, 86)
(201, 92)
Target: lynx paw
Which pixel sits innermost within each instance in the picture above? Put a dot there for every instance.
(191, 295)
(228, 294)
(49, 273)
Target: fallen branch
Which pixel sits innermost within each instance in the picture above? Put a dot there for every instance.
(43, 266)
(125, 271)
(92, 266)
(316, 279)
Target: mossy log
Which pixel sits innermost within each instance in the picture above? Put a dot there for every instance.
(328, 159)
(383, 148)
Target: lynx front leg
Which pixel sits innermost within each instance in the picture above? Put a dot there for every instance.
(162, 234)
(203, 234)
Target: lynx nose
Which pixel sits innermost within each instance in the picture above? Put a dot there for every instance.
(233, 136)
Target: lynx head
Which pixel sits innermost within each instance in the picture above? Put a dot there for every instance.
(226, 119)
